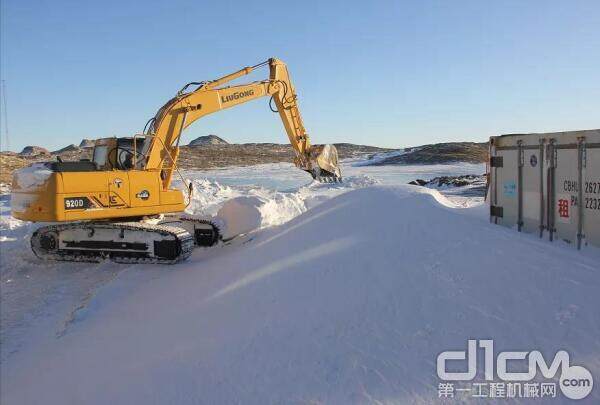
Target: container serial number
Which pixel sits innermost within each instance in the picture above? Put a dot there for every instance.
(592, 203)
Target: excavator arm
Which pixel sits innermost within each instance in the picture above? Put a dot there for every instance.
(166, 128)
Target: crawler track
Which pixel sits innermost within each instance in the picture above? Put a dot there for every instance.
(122, 242)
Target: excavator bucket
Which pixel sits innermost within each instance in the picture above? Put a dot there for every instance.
(327, 165)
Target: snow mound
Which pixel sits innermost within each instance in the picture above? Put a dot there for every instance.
(31, 177)
(349, 302)
(275, 207)
(240, 215)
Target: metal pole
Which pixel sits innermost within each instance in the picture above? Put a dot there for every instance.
(5, 115)
(541, 159)
(551, 187)
(520, 163)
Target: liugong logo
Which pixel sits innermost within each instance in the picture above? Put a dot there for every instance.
(237, 95)
(575, 382)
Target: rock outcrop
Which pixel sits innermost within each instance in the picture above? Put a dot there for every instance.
(208, 140)
(34, 151)
(71, 148)
(438, 153)
(86, 143)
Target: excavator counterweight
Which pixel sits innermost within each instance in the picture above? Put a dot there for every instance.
(121, 204)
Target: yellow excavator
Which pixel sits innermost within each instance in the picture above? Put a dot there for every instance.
(120, 204)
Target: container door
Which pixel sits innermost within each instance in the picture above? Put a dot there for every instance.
(532, 188)
(591, 196)
(505, 191)
(566, 186)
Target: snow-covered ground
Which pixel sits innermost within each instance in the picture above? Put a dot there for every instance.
(346, 294)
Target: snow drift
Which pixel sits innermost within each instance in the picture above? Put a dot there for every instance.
(349, 302)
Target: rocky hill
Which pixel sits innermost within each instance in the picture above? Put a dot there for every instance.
(34, 151)
(212, 152)
(208, 140)
(247, 154)
(71, 148)
(86, 143)
(437, 153)
(10, 162)
(209, 155)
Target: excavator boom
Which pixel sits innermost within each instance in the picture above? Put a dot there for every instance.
(186, 107)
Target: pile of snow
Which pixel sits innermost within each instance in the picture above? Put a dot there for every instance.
(275, 206)
(31, 177)
(349, 302)
(466, 189)
(452, 182)
(239, 216)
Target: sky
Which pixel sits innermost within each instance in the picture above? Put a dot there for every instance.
(385, 73)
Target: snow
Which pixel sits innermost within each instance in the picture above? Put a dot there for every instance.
(240, 215)
(343, 294)
(31, 177)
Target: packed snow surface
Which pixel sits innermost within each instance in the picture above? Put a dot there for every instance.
(344, 294)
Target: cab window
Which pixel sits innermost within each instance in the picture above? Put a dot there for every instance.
(100, 154)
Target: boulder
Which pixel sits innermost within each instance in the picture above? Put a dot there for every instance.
(418, 182)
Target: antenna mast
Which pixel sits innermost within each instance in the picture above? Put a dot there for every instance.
(5, 115)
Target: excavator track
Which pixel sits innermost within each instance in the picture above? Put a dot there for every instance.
(204, 231)
(121, 242)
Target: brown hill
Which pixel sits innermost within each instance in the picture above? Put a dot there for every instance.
(34, 151)
(191, 157)
(440, 153)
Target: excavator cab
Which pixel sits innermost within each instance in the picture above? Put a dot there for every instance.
(121, 153)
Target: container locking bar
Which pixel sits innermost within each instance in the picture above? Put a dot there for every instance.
(581, 164)
(542, 147)
(551, 156)
(520, 164)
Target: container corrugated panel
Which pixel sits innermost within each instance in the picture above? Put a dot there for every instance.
(534, 184)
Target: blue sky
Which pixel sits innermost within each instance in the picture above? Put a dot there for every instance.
(388, 73)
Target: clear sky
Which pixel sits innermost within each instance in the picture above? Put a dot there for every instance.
(388, 73)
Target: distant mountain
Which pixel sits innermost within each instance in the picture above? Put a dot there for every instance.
(471, 152)
(34, 151)
(71, 148)
(86, 143)
(208, 140)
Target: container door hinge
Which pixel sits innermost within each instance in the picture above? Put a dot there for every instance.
(496, 211)
(497, 161)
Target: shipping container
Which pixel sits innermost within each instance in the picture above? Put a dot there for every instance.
(534, 184)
